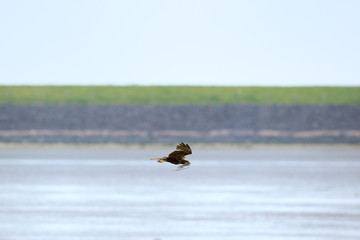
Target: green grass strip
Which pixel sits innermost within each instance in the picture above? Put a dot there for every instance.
(178, 95)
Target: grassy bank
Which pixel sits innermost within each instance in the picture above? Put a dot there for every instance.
(177, 95)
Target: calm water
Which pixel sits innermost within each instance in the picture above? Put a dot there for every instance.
(229, 194)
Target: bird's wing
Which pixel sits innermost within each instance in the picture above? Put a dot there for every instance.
(181, 151)
(184, 148)
(177, 154)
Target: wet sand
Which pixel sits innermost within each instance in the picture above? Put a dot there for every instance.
(225, 194)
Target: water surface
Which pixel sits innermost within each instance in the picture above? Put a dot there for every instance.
(225, 194)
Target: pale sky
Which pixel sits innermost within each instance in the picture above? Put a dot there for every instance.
(185, 42)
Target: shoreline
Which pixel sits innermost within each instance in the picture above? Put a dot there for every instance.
(200, 146)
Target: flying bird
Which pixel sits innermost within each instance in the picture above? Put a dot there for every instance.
(177, 156)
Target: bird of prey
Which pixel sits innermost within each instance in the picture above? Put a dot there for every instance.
(177, 156)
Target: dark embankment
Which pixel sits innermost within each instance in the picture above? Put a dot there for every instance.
(171, 124)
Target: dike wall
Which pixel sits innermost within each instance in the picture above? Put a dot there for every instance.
(127, 124)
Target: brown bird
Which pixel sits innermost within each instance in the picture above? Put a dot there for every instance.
(177, 156)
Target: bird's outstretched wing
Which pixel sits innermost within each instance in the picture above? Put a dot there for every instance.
(181, 151)
(184, 147)
(183, 166)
